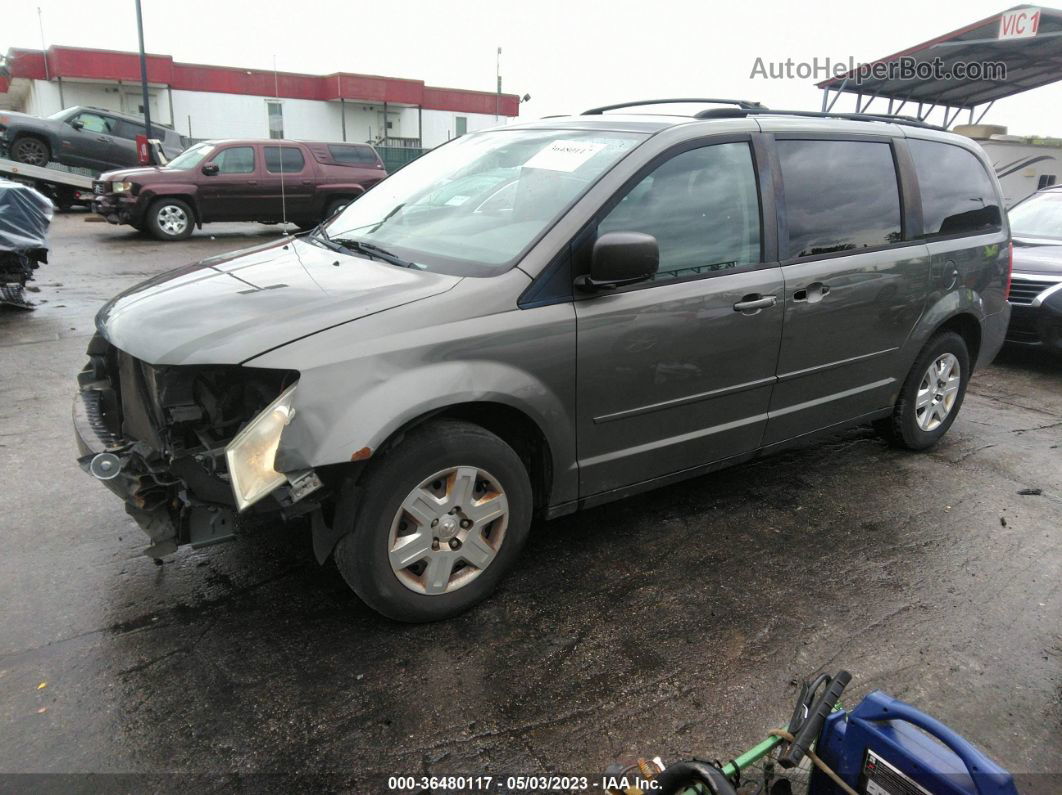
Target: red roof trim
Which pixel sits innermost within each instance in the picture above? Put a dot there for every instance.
(85, 63)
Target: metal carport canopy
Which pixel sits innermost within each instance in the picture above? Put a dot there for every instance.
(1030, 49)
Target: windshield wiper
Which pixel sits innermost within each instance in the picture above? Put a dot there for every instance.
(372, 250)
(319, 234)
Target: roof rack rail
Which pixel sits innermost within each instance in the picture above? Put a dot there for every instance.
(740, 103)
(735, 113)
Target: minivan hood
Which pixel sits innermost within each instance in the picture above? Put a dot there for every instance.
(1040, 257)
(228, 309)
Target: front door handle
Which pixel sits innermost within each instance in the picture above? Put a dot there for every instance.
(754, 303)
(813, 293)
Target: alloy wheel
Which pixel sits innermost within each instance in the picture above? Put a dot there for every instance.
(448, 530)
(172, 219)
(31, 152)
(938, 392)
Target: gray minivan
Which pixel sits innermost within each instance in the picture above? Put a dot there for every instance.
(544, 317)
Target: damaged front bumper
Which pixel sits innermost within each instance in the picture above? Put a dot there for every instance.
(118, 208)
(172, 475)
(149, 488)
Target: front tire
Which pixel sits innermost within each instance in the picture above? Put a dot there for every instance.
(170, 219)
(31, 151)
(932, 393)
(445, 515)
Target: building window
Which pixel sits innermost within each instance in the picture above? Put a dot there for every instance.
(461, 123)
(276, 119)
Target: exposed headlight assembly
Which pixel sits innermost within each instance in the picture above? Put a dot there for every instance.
(122, 187)
(251, 453)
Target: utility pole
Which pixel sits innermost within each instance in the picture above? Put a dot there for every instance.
(497, 96)
(143, 72)
(44, 49)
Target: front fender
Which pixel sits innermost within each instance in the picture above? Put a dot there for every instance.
(181, 190)
(387, 404)
(361, 382)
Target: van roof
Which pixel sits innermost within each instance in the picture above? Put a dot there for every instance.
(603, 118)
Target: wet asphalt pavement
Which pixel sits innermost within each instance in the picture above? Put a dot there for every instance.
(672, 623)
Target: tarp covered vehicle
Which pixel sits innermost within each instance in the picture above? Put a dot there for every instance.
(25, 215)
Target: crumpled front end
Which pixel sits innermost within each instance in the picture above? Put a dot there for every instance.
(157, 437)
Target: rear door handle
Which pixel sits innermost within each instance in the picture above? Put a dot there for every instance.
(754, 303)
(103, 138)
(813, 293)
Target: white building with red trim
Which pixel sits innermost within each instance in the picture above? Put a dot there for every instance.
(228, 102)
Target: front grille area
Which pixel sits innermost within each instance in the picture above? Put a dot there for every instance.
(136, 390)
(1023, 291)
(96, 412)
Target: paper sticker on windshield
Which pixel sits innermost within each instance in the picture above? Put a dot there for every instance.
(564, 155)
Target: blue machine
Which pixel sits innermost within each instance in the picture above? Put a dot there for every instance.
(878, 749)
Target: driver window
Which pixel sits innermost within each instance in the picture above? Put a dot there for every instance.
(235, 160)
(92, 122)
(702, 207)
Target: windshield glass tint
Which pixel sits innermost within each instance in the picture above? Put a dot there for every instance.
(190, 158)
(1040, 216)
(473, 205)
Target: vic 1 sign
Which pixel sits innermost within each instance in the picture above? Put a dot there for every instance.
(1019, 23)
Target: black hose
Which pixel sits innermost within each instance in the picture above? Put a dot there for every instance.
(677, 777)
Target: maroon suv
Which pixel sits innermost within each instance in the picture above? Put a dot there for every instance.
(267, 181)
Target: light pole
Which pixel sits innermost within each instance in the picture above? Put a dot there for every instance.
(143, 73)
(497, 95)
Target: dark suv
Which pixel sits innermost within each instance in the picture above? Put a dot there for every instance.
(266, 180)
(82, 137)
(1036, 292)
(540, 318)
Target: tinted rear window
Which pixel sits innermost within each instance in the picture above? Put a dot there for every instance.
(957, 195)
(127, 129)
(839, 196)
(352, 155)
(290, 161)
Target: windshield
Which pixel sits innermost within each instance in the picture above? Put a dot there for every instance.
(1040, 216)
(190, 158)
(472, 206)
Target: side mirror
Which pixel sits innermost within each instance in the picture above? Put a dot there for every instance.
(77, 124)
(211, 169)
(621, 258)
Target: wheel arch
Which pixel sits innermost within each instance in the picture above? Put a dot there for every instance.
(43, 137)
(513, 426)
(957, 311)
(188, 196)
(967, 326)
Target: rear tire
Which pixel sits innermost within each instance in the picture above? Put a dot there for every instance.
(31, 150)
(469, 499)
(170, 219)
(931, 395)
(334, 206)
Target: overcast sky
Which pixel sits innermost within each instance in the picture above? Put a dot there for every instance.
(567, 55)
